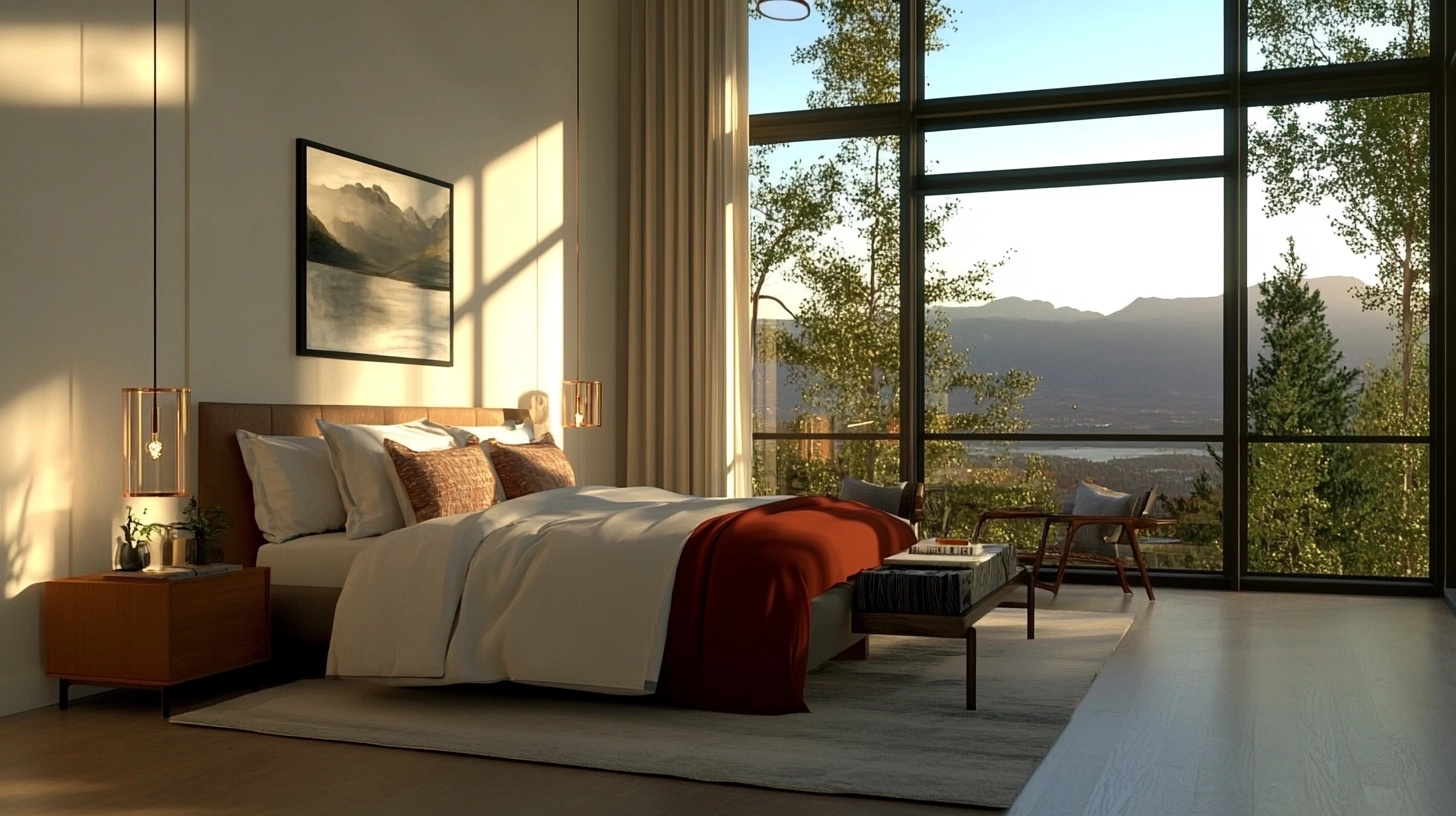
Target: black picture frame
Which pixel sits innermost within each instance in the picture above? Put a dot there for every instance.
(375, 260)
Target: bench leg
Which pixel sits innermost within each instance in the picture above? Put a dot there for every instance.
(971, 669)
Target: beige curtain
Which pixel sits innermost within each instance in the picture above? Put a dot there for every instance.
(687, 246)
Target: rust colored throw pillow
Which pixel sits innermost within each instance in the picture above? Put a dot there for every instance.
(443, 482)
(531, 467)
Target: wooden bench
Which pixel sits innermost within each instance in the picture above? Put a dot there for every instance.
(962, 626)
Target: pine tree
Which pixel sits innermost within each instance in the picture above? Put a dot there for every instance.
(1301, 387)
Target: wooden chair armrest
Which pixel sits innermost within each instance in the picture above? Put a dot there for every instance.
(1146, 523)
(1136, 521)
(1015, 513)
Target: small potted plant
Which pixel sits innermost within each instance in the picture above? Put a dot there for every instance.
(133, 549)
(203, 525)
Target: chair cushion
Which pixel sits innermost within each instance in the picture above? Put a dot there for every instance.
(897, 500)
(1093, 499)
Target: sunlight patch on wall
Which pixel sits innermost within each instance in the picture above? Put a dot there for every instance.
(558, 260)
(522, 246)
(80, 65)
(35, 486)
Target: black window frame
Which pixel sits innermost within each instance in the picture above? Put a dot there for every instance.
(1234, 92)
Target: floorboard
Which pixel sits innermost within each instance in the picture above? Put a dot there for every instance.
(1215, 704)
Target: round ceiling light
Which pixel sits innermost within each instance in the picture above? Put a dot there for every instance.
(789, 10)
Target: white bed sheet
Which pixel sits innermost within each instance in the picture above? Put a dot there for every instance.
(321, 560)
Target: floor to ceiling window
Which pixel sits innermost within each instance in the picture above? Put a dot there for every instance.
(1006, 247)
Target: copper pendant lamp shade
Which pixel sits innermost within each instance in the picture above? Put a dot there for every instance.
(581, 401)
(154, 441)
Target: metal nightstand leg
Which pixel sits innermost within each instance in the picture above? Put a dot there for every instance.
(65, 695)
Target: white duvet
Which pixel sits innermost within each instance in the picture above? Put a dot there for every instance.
(568, 587)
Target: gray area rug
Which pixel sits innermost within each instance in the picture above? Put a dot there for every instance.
(893, 726)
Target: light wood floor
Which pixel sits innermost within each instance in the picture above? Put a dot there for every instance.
(1214, 703)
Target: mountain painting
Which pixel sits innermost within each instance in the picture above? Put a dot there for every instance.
(375, 280)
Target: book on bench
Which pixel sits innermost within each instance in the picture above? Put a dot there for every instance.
(946, 546)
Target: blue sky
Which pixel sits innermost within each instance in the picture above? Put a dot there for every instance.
(1010, 46)
(1094, 248)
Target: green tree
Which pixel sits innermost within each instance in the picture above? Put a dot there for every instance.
(1370, 156)
(1384, 521)
(1301, 387)
(831, 228)
(1200, 518)
(1287, 514)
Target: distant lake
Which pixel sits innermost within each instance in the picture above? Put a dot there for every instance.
(1087, 453)
(354, 312)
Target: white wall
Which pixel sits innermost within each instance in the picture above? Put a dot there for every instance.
(480, 94)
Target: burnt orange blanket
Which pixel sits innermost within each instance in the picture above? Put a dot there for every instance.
(738, 631)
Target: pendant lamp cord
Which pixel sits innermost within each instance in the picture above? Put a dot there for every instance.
(578, 189)
(154, 196)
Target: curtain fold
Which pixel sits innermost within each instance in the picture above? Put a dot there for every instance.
(687, 247)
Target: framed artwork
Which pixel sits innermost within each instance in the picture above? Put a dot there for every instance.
(375, 278)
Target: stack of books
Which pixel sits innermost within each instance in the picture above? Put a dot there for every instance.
(947, 546)
(944, 552)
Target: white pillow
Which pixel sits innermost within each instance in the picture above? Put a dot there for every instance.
(516, 433)
(513, 433)
(365, 474)
(294, 490)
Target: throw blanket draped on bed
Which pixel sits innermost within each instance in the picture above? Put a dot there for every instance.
(738, 638)
(575, 587)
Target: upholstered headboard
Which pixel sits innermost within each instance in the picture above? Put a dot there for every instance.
(222, 481)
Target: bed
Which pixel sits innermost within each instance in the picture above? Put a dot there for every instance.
(309, 573)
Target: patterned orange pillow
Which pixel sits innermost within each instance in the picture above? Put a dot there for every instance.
(531, 467)
(443, 482)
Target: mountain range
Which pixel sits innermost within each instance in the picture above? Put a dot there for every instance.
(1154, 366)
(360, 228)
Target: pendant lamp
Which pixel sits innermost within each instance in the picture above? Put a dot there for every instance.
(154, 420)
(788, 10)
(581, 400)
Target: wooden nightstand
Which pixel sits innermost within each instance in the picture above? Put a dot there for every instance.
(151, 634)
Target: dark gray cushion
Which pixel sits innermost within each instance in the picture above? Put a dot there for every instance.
(897, 500)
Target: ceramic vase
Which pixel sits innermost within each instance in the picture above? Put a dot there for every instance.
(128, 558)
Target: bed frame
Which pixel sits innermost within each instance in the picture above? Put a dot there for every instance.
(304, 615)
